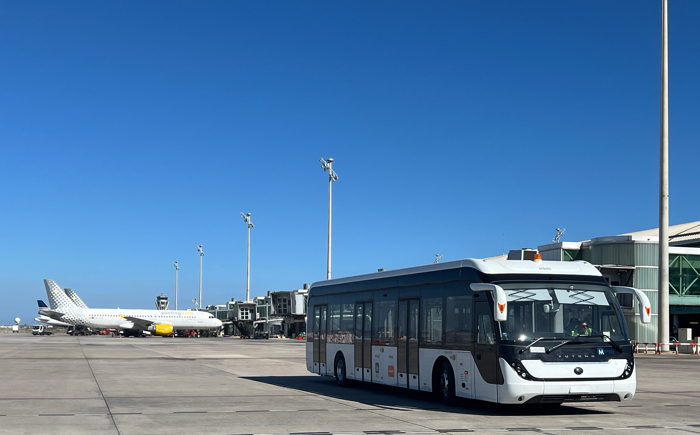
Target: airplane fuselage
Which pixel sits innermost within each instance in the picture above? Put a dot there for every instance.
(118, 318)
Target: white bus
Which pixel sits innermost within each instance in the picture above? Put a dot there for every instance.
(529, 332)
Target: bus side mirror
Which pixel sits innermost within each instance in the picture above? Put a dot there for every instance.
(500, 304)
(645, 305)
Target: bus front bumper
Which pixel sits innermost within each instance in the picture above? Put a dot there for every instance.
(516, 390)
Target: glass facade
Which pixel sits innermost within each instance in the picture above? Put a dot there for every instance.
(571, 254)
(684, 275)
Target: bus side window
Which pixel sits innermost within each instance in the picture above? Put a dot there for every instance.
(484, 325)
(458, 320)
(431, 321)
(385, 324)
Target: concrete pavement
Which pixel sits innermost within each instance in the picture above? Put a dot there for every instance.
(87, 385)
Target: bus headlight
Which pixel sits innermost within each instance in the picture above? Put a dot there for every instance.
(629, 368)
(520, 370)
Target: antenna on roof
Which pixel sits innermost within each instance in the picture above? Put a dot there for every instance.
(438, 257)
(560, 232)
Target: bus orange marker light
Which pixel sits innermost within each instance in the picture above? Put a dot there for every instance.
(648, 310)
(501, 307)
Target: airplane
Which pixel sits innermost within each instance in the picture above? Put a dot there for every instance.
(46, 319)
(75, 298)
(158, 322)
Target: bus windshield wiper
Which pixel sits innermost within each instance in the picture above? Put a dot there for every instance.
(553, 348)
(521, 351)
(610, 341)
(577, 340)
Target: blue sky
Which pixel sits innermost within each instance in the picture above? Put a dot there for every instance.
(131, 131)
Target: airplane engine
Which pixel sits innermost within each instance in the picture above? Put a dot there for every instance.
(161, 329)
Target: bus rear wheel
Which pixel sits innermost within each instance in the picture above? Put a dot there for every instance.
(340, 371)
(446, 382)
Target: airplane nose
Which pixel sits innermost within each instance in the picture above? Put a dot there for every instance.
(218, 323)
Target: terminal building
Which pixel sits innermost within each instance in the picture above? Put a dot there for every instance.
(280, 313)
(631, 260)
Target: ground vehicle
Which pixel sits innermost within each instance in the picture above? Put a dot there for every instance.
(493, 330)
(41, 330)
(674, 343)
(15, 329)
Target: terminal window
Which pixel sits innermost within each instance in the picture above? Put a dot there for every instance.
(282, 306)
(245, 313)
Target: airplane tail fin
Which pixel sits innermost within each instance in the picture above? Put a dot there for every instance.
(42, 305)
(57, 298)
(75, 298)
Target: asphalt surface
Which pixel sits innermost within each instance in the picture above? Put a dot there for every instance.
(106, 385)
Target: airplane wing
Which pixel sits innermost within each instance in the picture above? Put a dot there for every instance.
(139, 322)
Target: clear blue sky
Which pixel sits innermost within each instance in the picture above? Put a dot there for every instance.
(131, 131)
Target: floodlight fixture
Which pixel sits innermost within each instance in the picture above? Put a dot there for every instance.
(560, 232)
(438, 257)
(246, 219)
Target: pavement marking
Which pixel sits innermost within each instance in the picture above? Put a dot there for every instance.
(99, 388)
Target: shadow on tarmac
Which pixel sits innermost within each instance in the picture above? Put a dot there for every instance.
(393, 398)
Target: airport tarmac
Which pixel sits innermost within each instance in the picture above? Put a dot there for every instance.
(106, 385)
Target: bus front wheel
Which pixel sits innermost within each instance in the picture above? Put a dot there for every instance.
(340, 372)
(446, 382)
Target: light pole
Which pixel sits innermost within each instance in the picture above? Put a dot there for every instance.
(176, 269)
(246, 219)
(327, 165)
(663, 316)
(201, 254)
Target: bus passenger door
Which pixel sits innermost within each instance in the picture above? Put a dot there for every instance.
(485, 356)
(363, 341)
(367, 344)
(316, 339)
(359, 321)
(407, 351)
(322, 339)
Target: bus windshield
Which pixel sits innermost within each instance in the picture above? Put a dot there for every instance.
(561, 313)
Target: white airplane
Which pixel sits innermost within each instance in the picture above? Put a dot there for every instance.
(48, 320)
(158, 322)
(75, 298)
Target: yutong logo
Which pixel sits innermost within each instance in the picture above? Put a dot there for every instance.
(579, 356)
